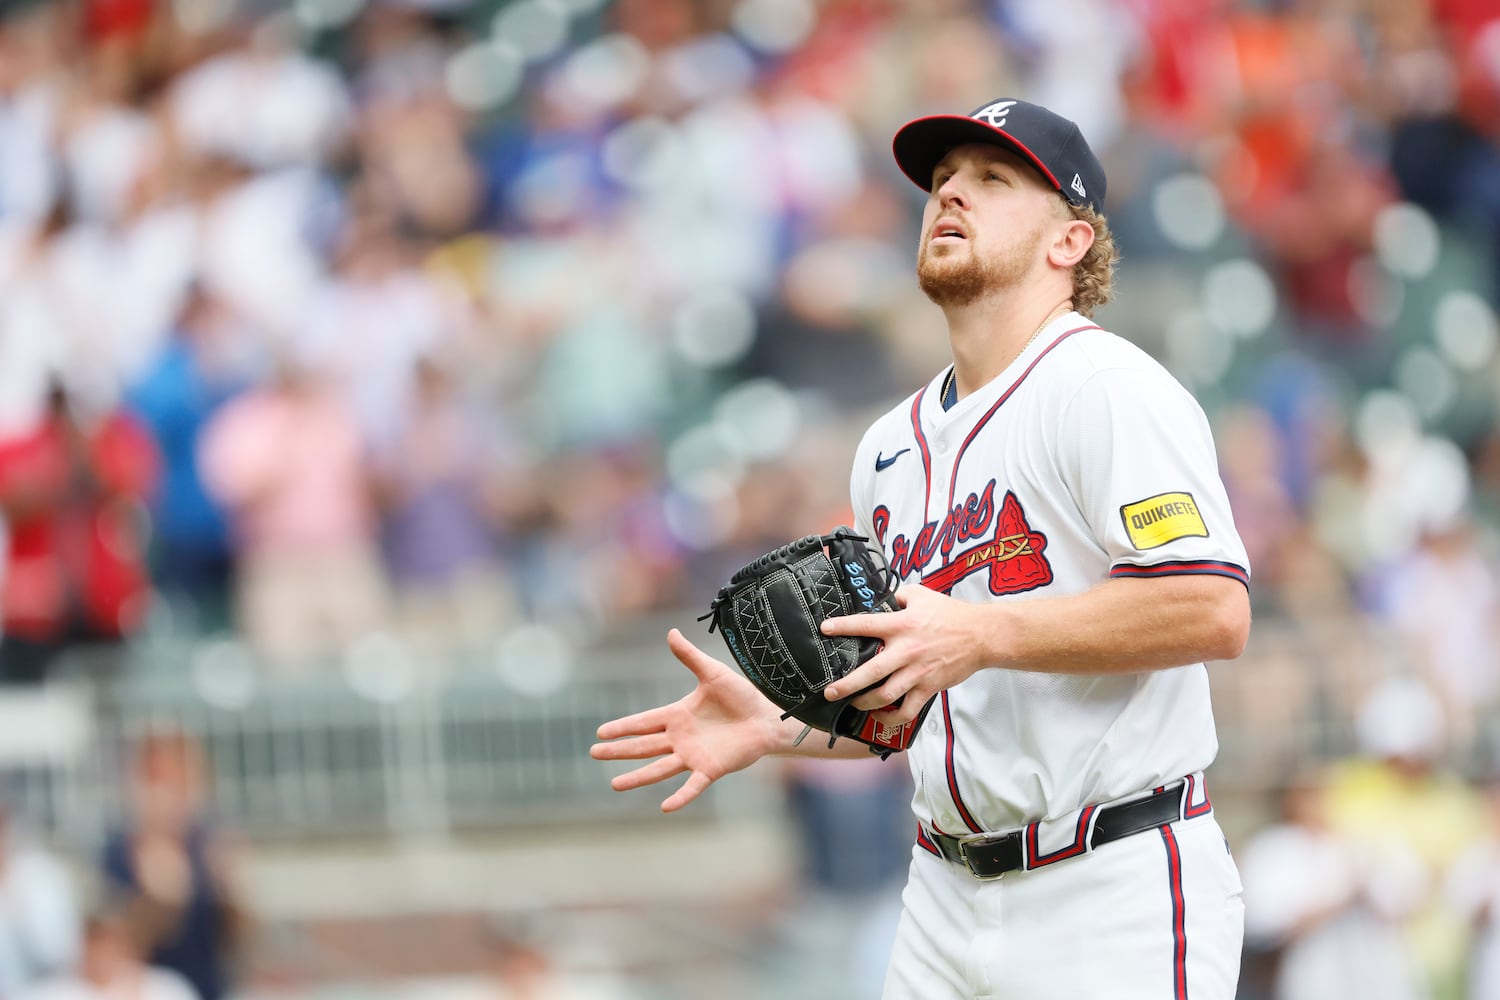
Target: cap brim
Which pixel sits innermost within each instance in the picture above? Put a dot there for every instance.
(921, 143)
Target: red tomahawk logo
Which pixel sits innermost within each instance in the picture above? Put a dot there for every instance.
(1013, 557)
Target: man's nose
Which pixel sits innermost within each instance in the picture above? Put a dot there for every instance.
(951, 194)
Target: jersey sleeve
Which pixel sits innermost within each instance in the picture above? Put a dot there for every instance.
(1137, 452)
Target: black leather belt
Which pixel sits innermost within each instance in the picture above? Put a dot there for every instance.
(993, 856)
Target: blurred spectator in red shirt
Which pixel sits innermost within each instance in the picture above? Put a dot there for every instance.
(288, 462)
(72, 492)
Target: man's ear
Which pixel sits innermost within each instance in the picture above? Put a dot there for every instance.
(1071, 243)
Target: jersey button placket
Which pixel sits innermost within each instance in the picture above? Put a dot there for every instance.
(937, 499)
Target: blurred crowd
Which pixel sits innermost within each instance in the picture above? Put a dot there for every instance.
(330, 316)
(439, 318)
(158, 915)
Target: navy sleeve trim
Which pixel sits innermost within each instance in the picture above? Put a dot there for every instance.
(1198, 567)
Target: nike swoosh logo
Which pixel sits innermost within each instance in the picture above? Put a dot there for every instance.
(881, 464)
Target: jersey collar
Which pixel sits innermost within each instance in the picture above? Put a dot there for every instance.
(933, 412)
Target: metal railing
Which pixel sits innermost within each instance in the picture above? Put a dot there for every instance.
(388, 752)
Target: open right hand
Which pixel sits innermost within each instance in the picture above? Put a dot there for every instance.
(724, 725)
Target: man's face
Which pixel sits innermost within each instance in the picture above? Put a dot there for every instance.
(985, 225)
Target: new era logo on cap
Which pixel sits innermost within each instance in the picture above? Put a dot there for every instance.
(1051, 143)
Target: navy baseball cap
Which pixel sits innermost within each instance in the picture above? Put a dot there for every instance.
(1050, 142)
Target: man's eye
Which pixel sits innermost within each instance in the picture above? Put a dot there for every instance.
(940, 180)
(993, 176)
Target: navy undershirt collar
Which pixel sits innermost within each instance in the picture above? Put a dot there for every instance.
(950, 391)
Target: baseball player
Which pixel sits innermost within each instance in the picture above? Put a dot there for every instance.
(1055, 492)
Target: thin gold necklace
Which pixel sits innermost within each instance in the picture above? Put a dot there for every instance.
(952, 369)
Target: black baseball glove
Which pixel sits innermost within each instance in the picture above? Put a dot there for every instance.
(769, 615)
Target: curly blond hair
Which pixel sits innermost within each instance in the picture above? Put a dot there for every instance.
(1094, 275)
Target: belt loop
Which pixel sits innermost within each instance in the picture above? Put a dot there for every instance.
(1195, 804)
(1184, 796)
(1030, 835)
(1088, 835)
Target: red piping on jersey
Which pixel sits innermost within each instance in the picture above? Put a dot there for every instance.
(1036, 859)
(953, 480)
(1179, 917)
(1211, 567)
(1191, 811)
(916, 429)
(926, 842)
(963, 810)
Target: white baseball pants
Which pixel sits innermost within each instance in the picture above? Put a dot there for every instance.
(1154, 916)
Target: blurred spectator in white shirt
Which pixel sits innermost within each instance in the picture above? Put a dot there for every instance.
(38, 911)
(288, 109)
(371, 321)
(256, 242)
(31, 80)
(106, 138)
(38, 315)
(1445, 603)
(111, 969)
(1326, 915)
(1473, 890)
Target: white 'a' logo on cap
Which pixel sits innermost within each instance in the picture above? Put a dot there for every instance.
(1077, 185)
(994, 114)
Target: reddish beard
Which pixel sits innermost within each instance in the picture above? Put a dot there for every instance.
(962, 276)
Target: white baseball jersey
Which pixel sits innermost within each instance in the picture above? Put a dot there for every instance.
(1083, 460)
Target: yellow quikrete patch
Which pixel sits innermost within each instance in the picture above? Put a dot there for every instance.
(1163, 518)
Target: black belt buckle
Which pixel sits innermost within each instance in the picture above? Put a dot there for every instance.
(989, 856)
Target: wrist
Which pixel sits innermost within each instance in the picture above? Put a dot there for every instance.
(996, 628)
(785, 733)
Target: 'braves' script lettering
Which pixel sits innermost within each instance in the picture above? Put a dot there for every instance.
(1013, 554)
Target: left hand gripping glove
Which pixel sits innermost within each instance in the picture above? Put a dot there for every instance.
(770, 613)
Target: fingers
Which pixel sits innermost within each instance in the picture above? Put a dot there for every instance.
(876, 684)
(703, 666)
(898, 717)
(875, 700)
(653, 720)
(873, 671)
(689, 791)
(639, 724)
(916, 595)
(649, 774)
(914, 700)
(901, 686)
(652, 745)
(890, 691)
(881, 626)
